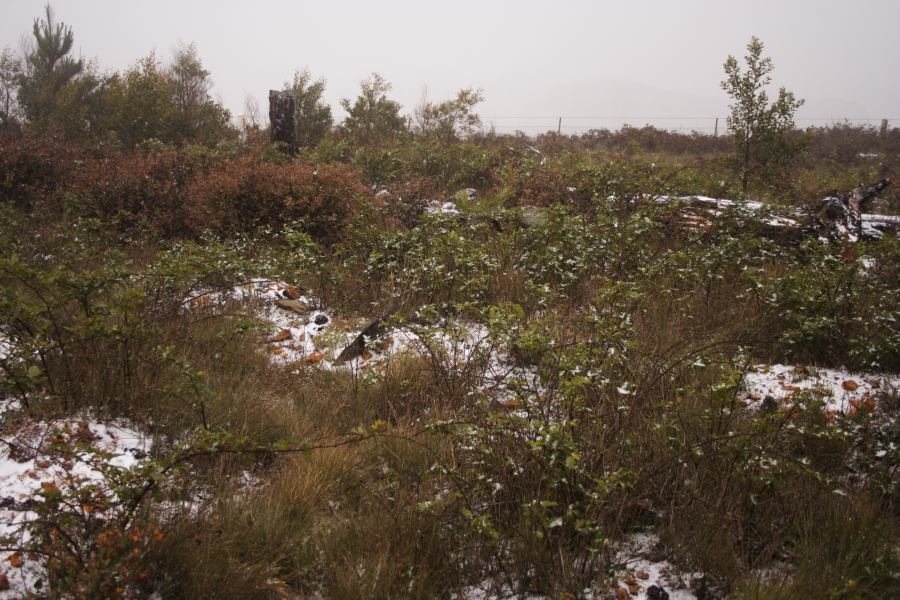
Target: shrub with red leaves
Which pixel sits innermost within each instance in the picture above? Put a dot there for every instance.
(31, 167)
(242, 195)
(177, 193)
(148, 188)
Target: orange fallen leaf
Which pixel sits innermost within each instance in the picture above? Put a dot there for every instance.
(282, 335)
(510, 403)
(366, 355)
(642, 575)
(622, 594)
(15, 560)
(314, 358)
(850, 385)
(866, 404)
(49, 487)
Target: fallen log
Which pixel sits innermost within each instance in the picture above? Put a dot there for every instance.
(838, 218)
(375, 328)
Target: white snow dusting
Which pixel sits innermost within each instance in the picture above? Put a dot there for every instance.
(28, 466)
(842, 392)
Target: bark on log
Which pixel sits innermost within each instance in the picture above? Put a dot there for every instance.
(281, 118)
(837, 218)
(841, 217)
(374, 329)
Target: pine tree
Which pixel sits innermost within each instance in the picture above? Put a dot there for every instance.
(48, 68)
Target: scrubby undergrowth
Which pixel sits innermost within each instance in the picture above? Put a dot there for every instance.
(577, 379)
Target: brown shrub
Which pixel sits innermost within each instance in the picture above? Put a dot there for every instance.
(241, 195)
(135, 188)
(31, 166)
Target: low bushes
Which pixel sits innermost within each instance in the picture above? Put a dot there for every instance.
(177, 192)
(242, 194)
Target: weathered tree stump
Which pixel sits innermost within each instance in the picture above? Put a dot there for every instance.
(281, 118)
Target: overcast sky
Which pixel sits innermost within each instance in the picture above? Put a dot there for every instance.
(595, 63)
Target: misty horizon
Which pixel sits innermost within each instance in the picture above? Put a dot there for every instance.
(593, 65)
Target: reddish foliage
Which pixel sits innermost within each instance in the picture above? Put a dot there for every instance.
(542, 185)
(31, 166)
(147, 188)
(243, 194)
(177, 192)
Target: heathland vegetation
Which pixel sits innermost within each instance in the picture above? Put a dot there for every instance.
(567, 387)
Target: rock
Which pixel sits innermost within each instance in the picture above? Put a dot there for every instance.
(281, 336)
(850, 385)
(138, 453)
(769, 404)
(654, 592)
(321, 319)
(4, 582)
(295, 305)
(10, 503)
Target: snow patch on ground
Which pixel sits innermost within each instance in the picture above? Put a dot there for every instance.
(28, 466)
(843, 392)
(303, 334)
(265, 289)
(436, 207)
(641, 568)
